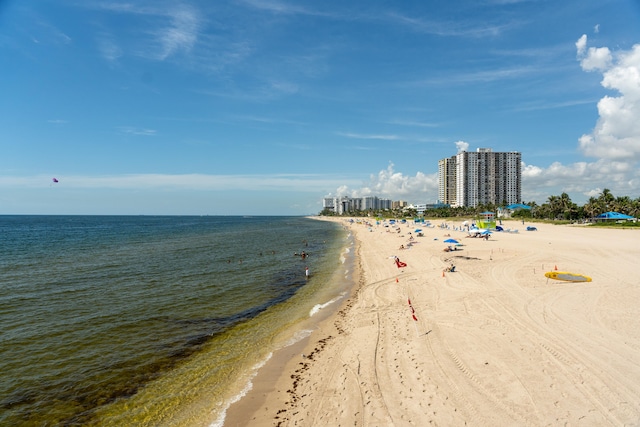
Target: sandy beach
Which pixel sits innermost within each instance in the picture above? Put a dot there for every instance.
(492, 343)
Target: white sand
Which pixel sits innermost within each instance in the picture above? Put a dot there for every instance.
(495, 343)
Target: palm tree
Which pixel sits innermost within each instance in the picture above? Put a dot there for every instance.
(555, 207)
(606, 199)
(635, 208)
(622, 204)
(592, 208)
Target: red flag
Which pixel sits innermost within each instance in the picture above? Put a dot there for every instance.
(415, 318)
(409, 301)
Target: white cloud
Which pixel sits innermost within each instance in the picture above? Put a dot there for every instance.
(174, 30)
(138, 131)
(596, 59)
(593, 59)
(616, 135)
(394, 185)
(182, 34)
(462, 146)
(583, 178)
(581, 45)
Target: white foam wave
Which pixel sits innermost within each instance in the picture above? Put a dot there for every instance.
(316, 308)
(219, 422)
(298, 336)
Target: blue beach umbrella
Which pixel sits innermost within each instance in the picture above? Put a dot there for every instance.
(454, 241)
(417, 230)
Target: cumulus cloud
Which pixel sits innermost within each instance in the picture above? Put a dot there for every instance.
(388, 183)
(616, 135)
(462, 146)
(585, 178)
(592, 59)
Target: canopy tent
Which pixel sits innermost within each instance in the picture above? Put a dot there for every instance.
(515, 206)
(613, 216)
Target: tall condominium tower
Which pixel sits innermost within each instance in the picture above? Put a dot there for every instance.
(483, 177)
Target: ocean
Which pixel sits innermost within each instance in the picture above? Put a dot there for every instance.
(154, 320)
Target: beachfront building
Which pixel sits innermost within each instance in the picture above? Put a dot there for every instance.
(399, 204)
(341, 205)
(447, 180)
(482, 177)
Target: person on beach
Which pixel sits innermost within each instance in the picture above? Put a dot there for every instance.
(306, 272)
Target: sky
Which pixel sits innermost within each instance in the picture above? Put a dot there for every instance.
(264, 107)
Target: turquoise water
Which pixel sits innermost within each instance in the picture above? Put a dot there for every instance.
(152, 320)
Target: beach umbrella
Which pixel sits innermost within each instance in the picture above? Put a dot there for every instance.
(454, 241)
(485, 232)
(417, 230)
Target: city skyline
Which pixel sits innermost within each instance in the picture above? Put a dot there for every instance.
(265, 106)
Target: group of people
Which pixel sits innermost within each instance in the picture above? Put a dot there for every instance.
(304, 255)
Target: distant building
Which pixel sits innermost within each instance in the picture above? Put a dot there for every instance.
(400, 204)
(341, 205)
(483, 177)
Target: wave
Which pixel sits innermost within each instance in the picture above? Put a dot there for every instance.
(298, 336)
(316, 308)
(219, 422)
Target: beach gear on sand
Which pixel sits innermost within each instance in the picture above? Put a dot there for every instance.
(567, 277)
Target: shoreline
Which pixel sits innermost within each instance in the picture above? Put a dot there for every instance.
(493, 343)
(268, 384)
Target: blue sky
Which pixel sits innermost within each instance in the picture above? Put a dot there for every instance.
(265, 106)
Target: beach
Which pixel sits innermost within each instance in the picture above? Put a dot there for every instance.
(493, 343)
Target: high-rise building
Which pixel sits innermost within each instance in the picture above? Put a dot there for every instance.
(447, 181)
(483, 177)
